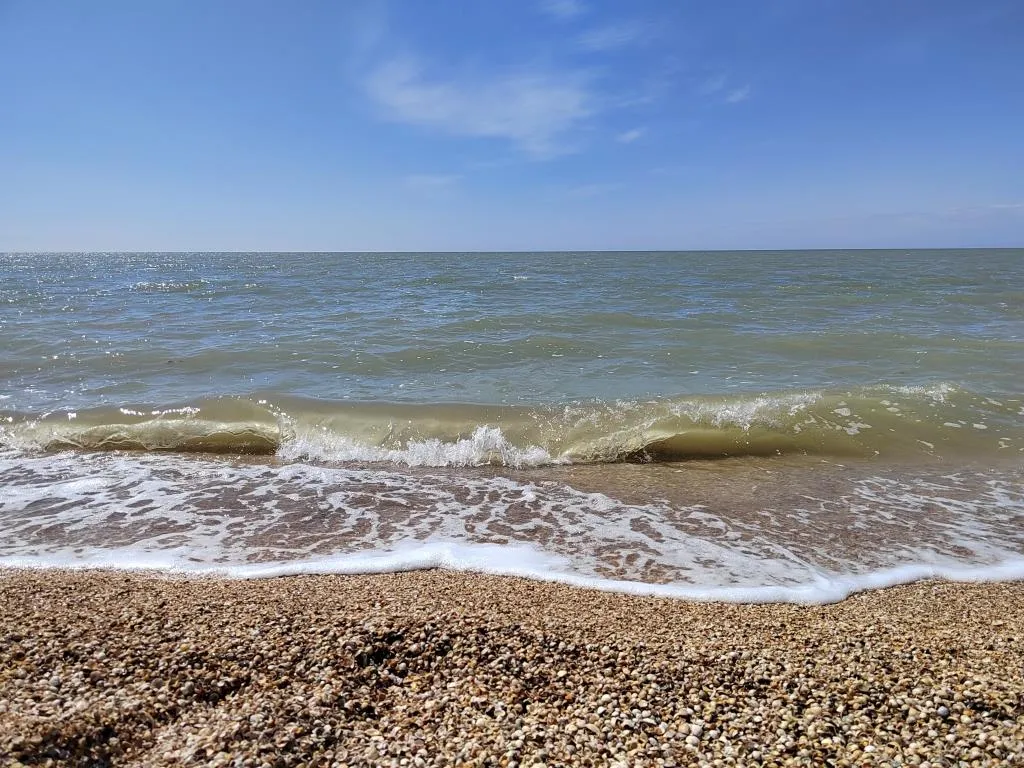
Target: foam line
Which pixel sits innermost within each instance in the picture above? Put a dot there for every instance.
(530, 563)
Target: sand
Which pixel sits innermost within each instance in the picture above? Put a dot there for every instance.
(434, 668)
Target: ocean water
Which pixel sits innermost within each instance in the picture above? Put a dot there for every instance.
(750, 426)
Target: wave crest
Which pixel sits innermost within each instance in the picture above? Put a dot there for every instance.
(487, 445)
(887, 421)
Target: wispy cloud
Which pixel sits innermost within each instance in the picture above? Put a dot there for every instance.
(612, 36)
(628, 137)
(535, 111)
(591, 190)
(563, 9)
(990, 209)
(737, 95)
(713, 84)
(718, 86)
(430, 180)
(670, 170)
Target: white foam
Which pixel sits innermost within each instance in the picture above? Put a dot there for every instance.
(528, 562)
(216, 517)
(486, 445)
(762, 410)
(937, 392)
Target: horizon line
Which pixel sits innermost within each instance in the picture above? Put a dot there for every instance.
(115, 252)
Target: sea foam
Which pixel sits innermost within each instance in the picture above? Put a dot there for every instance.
(486, 445)
(529, 563)
(220, 517)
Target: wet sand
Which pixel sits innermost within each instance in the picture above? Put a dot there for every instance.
(436, 668)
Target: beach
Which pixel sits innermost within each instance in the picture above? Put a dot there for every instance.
(517, 509)
(442, 668)
(511, 385)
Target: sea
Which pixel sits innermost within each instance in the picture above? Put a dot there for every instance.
(752, 426)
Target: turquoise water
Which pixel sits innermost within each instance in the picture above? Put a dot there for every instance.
(836, 374)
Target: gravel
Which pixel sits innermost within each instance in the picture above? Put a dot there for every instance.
(435, 668)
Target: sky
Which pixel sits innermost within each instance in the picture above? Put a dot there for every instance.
(465, 125)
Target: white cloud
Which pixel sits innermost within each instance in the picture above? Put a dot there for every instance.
(563, 9)
(611, 36)
(591, 190)
(713, 84)
(535, 111)
(717, 85)
(628, 137)
(430, 180)
(984, 211)
(670, 170)
(737, 95)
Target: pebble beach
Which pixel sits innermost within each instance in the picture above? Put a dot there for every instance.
(437, 668)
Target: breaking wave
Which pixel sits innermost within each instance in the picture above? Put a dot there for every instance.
(883, 421)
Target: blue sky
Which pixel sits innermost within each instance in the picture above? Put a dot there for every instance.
(510, 124)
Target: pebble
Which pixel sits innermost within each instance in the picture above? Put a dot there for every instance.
(434, 668)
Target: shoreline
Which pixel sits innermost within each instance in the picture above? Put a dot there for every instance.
(441, 668)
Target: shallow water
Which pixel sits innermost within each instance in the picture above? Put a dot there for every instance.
(751, 426)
